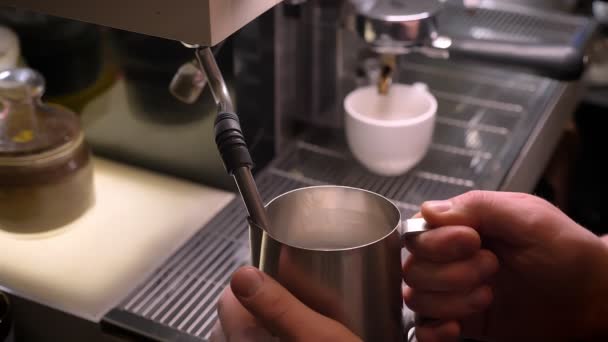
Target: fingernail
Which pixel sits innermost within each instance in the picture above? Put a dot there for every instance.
(246, 282)
(438, 206)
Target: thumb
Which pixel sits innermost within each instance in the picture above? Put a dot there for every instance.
(507, 217)
(280, 312)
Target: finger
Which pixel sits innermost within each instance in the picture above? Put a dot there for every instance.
(445, 306)
(444, 332)
(510, 217)
(444, 244)
(281, 312)
(237, 323)
(459, 276)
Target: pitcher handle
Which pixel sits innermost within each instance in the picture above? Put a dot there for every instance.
(413, 226)
(409, 228)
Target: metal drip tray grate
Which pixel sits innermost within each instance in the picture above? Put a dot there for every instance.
(183, 293)
(312, 165)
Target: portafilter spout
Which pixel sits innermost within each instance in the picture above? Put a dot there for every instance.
(232, 146)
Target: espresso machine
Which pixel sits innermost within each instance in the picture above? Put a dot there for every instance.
(506, 78)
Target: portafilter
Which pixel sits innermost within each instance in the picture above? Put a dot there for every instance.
(395, 27)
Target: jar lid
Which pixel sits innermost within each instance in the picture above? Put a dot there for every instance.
(28, 126)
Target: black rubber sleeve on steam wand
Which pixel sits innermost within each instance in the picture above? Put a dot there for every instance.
(231, 142)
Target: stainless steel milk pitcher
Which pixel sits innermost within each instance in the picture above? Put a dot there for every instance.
(338, 250)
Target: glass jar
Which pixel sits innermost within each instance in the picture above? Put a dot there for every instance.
(46, 172)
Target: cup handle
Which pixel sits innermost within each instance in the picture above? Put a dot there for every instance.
(421, 86)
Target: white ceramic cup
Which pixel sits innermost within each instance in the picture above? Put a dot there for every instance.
(389, 134)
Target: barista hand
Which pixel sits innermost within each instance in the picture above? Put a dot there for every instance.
(506, 267)
(253, 293)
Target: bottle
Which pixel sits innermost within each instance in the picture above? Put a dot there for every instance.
(46, 171)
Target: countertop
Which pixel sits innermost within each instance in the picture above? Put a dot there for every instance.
(86, 268)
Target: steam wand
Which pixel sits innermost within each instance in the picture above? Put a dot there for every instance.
(232, 146)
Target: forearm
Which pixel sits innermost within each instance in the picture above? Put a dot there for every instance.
(604, 239)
